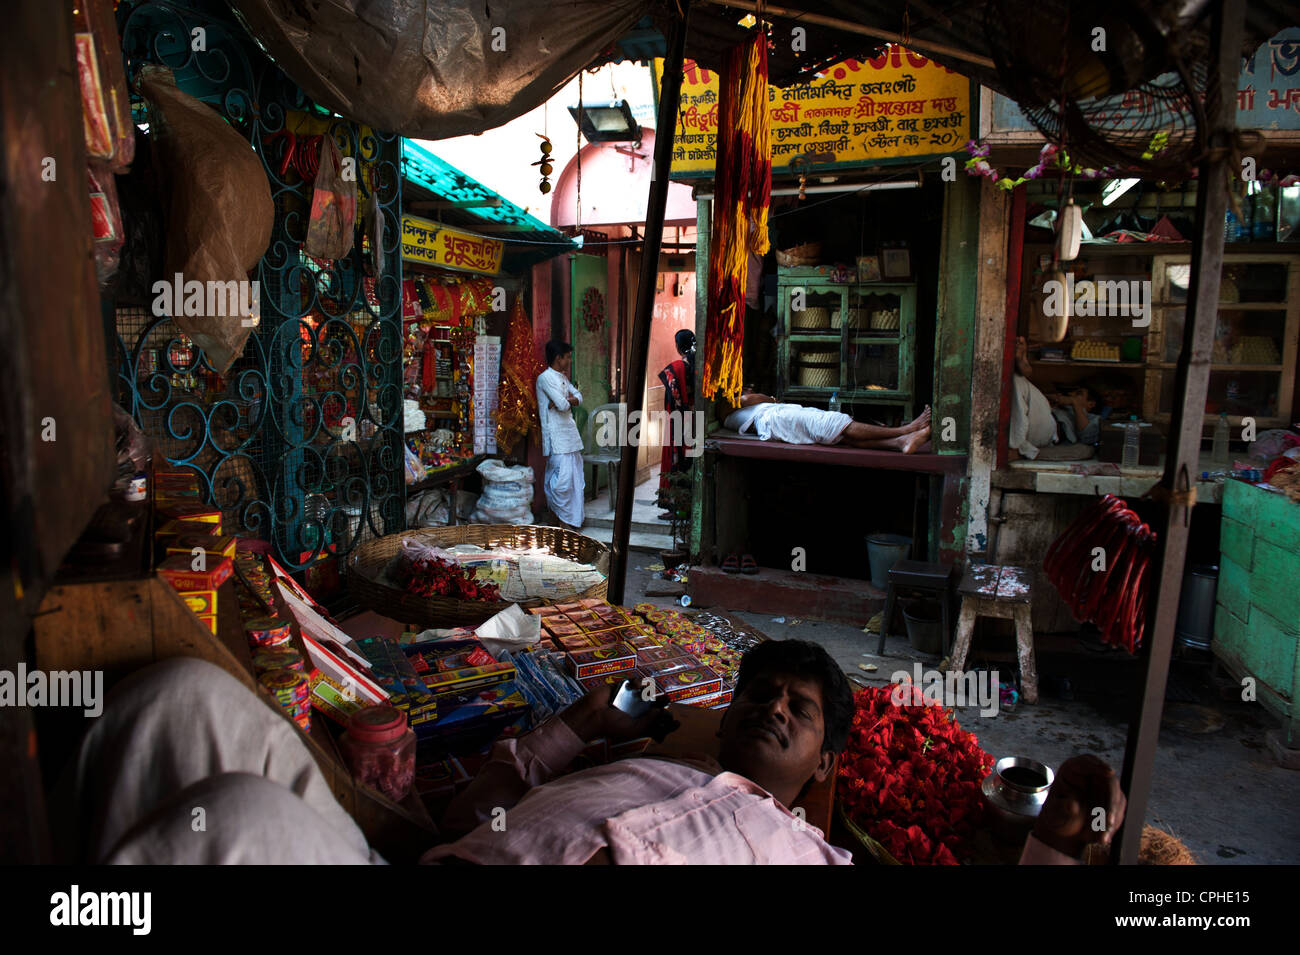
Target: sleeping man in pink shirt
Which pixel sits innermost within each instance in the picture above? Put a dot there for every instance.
(141, 770)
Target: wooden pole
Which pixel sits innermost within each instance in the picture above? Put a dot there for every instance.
(1191, 383)
(639, 352)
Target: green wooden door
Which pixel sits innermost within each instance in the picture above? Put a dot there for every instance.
(589, 328)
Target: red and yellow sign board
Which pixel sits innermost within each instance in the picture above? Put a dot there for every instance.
(435, 244)
(898, 105)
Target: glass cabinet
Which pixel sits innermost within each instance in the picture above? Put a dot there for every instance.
(857, 340)
(1253, 362)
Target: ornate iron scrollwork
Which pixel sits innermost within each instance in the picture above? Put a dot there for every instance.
(301, 442)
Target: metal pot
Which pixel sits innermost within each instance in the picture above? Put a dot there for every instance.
(1016, 790)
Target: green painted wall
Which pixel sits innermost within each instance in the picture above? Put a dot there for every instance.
(591, 350)
(954, 347)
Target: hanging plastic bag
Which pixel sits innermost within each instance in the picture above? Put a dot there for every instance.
(333, 206)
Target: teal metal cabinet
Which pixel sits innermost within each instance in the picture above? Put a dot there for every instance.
(857, 339)
(1257, 620)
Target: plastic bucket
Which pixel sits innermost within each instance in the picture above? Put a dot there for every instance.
(883, 552)
(924, 621)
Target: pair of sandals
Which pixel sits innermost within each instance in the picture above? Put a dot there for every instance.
(745, 564)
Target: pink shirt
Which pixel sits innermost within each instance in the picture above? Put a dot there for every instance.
(643, 810)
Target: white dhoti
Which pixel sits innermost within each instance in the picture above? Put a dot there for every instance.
(795, 424)
(565, 486)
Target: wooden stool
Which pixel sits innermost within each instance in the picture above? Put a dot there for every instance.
(917, 575)
(990, 590)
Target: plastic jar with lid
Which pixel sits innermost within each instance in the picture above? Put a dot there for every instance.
(379, 748)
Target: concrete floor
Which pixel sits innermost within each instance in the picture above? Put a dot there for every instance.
(1216, 787)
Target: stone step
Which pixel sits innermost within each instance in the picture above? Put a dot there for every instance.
(606, 520)
(638, 542)
(794, 594)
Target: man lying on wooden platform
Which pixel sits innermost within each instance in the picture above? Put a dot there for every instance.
(773, 420)
(183, 734)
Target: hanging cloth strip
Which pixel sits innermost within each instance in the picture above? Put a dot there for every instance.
(743, 192)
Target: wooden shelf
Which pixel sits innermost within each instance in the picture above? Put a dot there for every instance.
(1088, 363)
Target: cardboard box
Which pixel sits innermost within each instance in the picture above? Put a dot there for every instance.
(178, 571)
(209, 620)
(176, 528)
(590, 683)
(192, 511)
(201, 602)
(685, 682)
(659, 658)
(437, 665)
(212, 545)
(712, 701)
(613, 658)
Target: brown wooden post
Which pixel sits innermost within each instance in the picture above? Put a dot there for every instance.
(1185, 426)
(639, 351)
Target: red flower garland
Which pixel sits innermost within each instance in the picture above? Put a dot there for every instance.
(910, 777)
(438, 578)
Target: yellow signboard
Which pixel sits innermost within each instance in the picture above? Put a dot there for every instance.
(899, 105)
(435, 244)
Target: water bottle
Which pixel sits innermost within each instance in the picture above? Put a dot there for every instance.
(1219, 454)
(1132, 442)
(835, 401)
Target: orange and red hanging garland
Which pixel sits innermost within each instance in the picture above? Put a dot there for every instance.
(517, 397)
(744, 188)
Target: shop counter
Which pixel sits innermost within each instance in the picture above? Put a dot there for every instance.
(737, 445)
(1093, 477)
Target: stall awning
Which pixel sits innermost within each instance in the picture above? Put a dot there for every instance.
(442, 68)
(435, 189)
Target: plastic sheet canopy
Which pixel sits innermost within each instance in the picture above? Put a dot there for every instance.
(432, 69)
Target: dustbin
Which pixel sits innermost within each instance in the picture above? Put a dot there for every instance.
(1195, 625)
(883, 552)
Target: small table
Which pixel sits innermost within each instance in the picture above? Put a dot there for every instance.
(993, 590)
(917, 575)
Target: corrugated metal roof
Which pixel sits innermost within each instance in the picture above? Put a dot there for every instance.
(528, 239)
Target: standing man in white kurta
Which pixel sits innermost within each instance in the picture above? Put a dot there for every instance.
(565, 483)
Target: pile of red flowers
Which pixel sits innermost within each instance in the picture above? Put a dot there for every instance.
(431, 577)
(910, 777)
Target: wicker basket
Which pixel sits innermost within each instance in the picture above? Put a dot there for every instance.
(877, 851)
(885, 320)
(818, 369)
(367, 563)
(811, 318)
(807, 254)
(857, 318)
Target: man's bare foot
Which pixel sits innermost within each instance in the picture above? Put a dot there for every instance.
(917, 423)
(914, 442)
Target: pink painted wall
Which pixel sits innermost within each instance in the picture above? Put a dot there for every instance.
(615, 186)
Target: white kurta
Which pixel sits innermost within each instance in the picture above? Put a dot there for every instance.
(565, 483)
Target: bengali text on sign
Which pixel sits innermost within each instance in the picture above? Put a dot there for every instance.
(899, 105)
(434, 244)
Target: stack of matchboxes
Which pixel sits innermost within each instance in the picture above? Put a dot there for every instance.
(605, 644)
(195, 557)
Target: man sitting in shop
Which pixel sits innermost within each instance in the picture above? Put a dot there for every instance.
(1039, 420)
(184, 734)
(773, 420)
